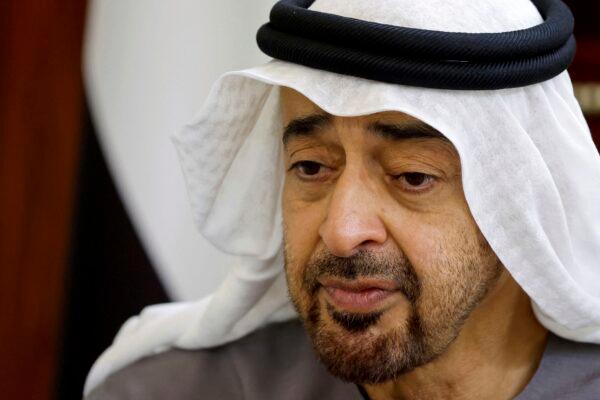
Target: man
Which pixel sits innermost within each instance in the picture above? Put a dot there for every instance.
(434, 221)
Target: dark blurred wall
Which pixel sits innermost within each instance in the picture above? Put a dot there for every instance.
(40, 126)
(585, 70)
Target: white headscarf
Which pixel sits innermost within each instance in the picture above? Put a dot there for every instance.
(531, 177)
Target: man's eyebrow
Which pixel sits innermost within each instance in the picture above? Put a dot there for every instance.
(405, 130)
(306, 125)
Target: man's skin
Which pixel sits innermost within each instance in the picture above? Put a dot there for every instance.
(349, 192)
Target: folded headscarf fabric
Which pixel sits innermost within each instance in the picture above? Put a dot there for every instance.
(531, 177)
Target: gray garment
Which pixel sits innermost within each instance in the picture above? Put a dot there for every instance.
(277, 362)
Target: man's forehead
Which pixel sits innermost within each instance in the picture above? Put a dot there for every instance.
(303, 118)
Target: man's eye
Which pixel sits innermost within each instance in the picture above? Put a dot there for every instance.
(416, 181)
(307, 168)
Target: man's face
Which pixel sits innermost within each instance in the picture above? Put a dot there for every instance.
(384, 261)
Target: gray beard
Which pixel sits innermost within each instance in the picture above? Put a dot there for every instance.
(353, 353)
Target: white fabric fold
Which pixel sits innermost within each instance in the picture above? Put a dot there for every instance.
(531, 177)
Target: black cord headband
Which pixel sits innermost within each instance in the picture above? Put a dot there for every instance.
(420, 57)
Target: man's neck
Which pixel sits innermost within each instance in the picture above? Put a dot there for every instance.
(494, 357)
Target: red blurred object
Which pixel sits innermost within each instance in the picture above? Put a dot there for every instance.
(41, 104)
(585, 73)
(586, 67)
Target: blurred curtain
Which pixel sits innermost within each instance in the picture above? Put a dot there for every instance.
(41, 105)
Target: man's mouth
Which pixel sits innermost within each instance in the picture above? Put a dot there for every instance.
(361, 295)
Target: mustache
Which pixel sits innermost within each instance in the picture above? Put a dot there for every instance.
(364, 264)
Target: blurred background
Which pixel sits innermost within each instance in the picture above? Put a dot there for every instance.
(94, 220)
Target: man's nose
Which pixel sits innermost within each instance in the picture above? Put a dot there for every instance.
(353, 221)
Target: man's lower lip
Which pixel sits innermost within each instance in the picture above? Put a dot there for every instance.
(357, 301)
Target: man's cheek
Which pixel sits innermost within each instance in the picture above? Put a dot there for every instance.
(297, 256)
(300, 297)
(421, 244)
(301, 223)
(428, 238)
(298, 247)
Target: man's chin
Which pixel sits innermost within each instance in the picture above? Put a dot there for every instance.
(356, 348)
(353, 322)
(366, 356)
